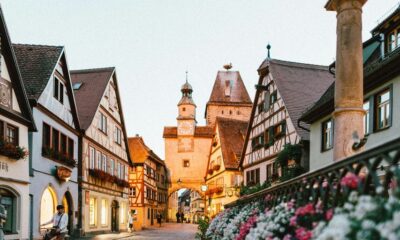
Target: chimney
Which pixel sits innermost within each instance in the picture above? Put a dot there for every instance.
(349, 113)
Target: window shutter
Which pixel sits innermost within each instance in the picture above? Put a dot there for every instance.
(390, 105)
(267, 100)
(61, 93)
(283, 127)
(271, 134)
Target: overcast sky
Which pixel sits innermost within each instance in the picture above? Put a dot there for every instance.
(152, 43)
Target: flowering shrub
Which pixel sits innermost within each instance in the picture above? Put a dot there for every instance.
(357, 217)
(12, 151)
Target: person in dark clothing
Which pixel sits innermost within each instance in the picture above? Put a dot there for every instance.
(182, 216)
(159, 217)
(177, 216)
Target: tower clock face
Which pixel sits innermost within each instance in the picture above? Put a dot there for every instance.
(185, 128)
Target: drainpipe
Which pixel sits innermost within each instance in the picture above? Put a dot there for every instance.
(349, 113)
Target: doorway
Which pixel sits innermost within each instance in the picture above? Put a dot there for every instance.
(69, 209)
(114, 216)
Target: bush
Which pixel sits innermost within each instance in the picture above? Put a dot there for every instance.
(202, 228)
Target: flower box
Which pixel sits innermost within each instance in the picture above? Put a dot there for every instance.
(219, 190)
(216, 167)
(210, 171)
(12, 151)
(58, 156)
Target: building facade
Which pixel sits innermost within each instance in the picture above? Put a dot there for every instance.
(381, 58)
(284, 91)
(186, 147)
(105, 158)
(148, 184)
(54, 147)
(15, 121)
(223, 177)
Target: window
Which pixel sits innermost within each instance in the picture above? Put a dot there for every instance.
(220, 181)
(104, 162)
(117, 136)
(132, 191)
(122, 213)
(92, 157)
(58, 90)
(253, 177)
(112, 167)
(273, 97)
(98, 163)
(257, 142)
(56, 139)
(11, 134)
(103, 123)
(63, 144)
(280, 130)
(46, 135)
(9, 201)
(366, 107)
(148, 213)
(269, 172)
(327, 135)
(118, 170)
(383, 109)
(92, 211)
(70, 148)
(267, 100)
(183, 109)
(104, 207)
(77, 85)
(393, 40)
(260, 108)
(186, 163)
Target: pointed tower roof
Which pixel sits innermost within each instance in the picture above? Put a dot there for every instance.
(187, 91)
(229, 89)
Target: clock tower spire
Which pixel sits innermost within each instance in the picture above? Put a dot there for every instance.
(186, 110)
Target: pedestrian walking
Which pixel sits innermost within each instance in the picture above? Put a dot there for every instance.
(178, 215)
(159, 217)
(60, 225)
(182, 216)
(130, 222)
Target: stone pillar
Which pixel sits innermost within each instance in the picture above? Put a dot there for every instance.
(348, 114)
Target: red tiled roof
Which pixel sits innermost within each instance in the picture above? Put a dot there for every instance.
(89, 95)
(140, 151)
(232, 134)
(238, 93)
(200, 131)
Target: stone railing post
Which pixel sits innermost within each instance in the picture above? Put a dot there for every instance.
(349, 113)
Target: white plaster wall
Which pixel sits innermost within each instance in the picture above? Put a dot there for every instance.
(319, 159)
(44, 167)
(47, 99)
(18, 170)
(5, 75)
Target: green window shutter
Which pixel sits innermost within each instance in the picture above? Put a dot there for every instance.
(283, 127)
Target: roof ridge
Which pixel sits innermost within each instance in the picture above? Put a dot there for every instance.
(92, 70)
(299, 64)
(36, 45)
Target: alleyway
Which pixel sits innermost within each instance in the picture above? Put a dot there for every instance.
(169, 231)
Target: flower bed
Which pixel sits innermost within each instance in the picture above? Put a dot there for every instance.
(356, 216)
(12, 151)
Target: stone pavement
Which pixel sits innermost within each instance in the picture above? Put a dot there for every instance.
(168, 231)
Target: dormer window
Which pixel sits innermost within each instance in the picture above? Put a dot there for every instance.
(58, 90)
(393, 40)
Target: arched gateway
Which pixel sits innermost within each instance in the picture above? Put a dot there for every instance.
(187, 146)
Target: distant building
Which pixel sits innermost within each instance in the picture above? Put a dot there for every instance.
(284, 90)
(148, 184)
(196, 206)
(105, 158)
(229, 98)
(54, 147)
(15, 152)
(381, 55)
(223, 176)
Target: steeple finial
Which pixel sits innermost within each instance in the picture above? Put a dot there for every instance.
(269, 48)
(186, 76)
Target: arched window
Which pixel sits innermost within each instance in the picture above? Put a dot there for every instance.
(9, 201)
(48, 205)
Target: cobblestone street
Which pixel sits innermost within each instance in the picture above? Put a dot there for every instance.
(169, 231)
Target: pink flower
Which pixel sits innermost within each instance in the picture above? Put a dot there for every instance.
(245, 227)
(393, 184)
(293, 221)
(307, 209)
(290, 204)
(350, 180)
(287, 237)
(303, 234)
(329, 214)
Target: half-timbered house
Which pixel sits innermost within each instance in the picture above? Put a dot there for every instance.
(15, 121)
(104, 151)
(146, 198)
(381, 58)
(54, 147)
(284, 90)
(223, 177)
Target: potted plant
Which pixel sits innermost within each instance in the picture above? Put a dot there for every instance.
(210, 171)
(216, 167)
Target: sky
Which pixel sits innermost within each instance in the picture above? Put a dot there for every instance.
(153, 42)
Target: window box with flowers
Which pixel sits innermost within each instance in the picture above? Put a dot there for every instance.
(12, 151)
(58, 156)
(219, 190)
(216, 167)
(210, 171)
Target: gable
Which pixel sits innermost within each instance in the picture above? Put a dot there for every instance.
(13, 102)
